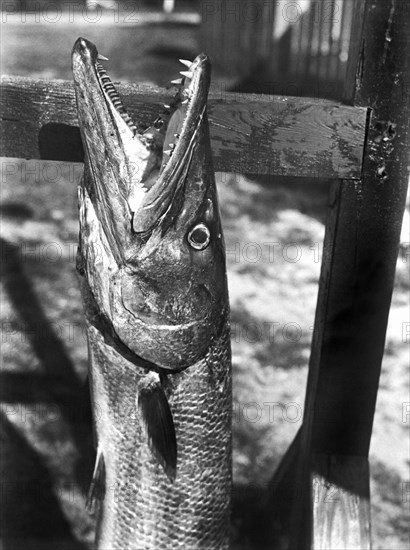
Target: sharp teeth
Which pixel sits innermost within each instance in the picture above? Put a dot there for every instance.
(102, 57)
(186, 62)
(184, 102)
(172, 145)
(111, 92)
(177, 81)
(168, 152)
(188, 74)
(177, 135)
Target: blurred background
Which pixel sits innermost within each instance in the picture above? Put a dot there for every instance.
(283, 47)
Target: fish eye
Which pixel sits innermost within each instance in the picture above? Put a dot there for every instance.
(199, 236)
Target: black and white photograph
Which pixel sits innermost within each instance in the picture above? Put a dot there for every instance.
(205, 275)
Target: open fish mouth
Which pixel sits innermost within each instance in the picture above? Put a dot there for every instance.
(148, 162)
(151, 243)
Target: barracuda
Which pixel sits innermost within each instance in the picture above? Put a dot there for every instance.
(152, 270)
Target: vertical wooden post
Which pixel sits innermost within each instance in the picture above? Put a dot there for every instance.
(362, 242)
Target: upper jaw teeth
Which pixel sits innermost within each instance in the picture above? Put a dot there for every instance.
(186, 91)
(141, 148)
(170, 150)
(186, 62)
(112, 93)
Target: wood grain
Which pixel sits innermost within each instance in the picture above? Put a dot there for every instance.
(341, 502)
(355, 49)
(251, 133)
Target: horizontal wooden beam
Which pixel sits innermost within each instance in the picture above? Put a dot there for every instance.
(255, 134)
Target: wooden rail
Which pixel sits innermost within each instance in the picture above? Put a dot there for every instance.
(252, 134)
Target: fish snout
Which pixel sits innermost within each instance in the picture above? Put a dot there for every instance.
(85, 50)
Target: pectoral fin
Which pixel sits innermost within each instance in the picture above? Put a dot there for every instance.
(158, 422)
(96, 491)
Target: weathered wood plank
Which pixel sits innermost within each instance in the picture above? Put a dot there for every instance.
(250, 133)
(341, 502)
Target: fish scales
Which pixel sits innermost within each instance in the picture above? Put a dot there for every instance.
(141, 509)
(151, 261)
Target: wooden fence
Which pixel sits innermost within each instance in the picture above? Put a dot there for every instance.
(362, 150)
(303, 41)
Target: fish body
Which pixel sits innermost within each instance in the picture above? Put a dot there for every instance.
(152, 271)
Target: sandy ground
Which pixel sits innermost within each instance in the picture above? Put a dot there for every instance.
(274, 233)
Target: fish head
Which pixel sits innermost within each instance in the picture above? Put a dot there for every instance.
(151, 243)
